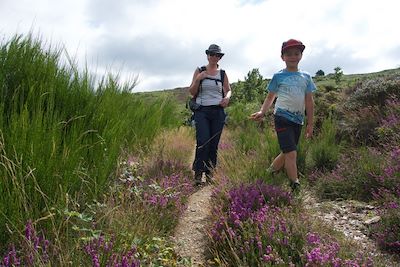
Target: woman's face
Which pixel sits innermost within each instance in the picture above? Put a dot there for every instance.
(213, 57)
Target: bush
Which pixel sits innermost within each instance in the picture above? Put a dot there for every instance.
(256, 225)
(389, 130)
(359, 126)
(325, 105)
(324, 151)
(362, 113)
(387, 231)
(375, 92)
(355, 176)
(238, 114)
(251, 89)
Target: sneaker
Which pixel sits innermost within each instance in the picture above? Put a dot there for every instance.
(295, 187)
(271, 171)
(198, 178)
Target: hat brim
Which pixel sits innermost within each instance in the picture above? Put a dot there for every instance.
(219, 53)
(301, 47)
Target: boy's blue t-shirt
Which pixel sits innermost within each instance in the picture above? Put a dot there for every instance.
(291, 88)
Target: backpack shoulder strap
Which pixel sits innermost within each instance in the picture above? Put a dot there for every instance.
(222, 73)
(202, 68)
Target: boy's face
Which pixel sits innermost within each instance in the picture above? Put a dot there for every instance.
(292, 57)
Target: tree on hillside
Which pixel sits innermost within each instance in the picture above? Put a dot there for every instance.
(338, 74)
(251, 89)
(320, 73)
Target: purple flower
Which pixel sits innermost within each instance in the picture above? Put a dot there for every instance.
(11, 258)
(33, 248)
(267, 258)
(100, 250)
(313, 238)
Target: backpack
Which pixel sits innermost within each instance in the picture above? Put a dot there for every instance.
(192, 102)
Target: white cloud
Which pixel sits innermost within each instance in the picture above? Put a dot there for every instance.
(163, 41)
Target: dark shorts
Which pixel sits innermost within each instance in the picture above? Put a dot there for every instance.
(288, 133)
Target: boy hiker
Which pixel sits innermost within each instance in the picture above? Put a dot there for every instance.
(293, 89)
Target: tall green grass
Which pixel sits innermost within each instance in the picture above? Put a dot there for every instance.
(61, 132)
(324, 150)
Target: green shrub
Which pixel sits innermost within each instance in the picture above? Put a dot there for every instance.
(387, 231)
(389, 130)
(239, 113)
(375, 92)
(359, 126)
(324, 151)
(251, 89)
(361, 114)
(355, 176)
(325, 106)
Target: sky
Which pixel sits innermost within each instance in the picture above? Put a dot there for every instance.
(161, 42)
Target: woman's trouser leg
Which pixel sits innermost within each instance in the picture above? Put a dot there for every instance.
(202, 136)
(216, 126)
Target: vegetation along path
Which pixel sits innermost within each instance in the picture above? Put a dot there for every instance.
(352, 218)
(349, 217)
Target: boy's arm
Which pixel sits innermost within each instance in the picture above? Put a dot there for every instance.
(267, 102)
(264, 108)
(309, 102)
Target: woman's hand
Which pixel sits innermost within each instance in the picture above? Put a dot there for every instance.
(224, 102)
(257, 116)
(201, 76)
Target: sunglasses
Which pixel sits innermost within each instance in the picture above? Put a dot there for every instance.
(212, 54)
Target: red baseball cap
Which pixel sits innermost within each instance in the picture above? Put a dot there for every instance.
(292, 43)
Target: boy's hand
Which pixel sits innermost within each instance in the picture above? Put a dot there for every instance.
(309, 131)
(257, 116)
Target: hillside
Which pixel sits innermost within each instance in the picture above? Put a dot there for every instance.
(181, 93)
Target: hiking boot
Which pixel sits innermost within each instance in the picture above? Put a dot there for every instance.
(270, 170)
(198, 178)
(295, 187)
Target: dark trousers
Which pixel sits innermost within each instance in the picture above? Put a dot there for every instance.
(209, 122)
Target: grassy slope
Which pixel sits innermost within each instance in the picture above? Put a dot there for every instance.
(181, 93)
